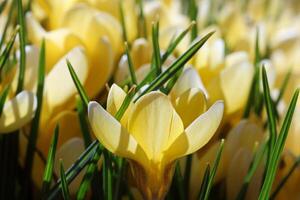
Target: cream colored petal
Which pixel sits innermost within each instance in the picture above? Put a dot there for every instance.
(188, 79)
(236, 58)
(199, 165)
(197, 134)
(58, 42)
(237, 172)
(32, 62)
(113, 135)
(18, 111)
(151, 123)
(69, 152)
(115, 100)
(141, 52)
(101, 66)
(244, 135)
(211, 55)
(69, 127)
(235, 83)
(93, 25)
(190, 105)
(271, 73)
(59, 86)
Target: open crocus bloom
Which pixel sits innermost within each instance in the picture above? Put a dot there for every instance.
(151, 135)
(17, 112)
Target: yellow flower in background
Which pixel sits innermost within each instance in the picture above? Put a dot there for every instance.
(86, 23)
(241, 142)
(58, 102)
(151, 135)
(17, 112)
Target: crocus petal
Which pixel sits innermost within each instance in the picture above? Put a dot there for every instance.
(232, 79)
(59, 86)
(101, 67)
(58, 42)
(32, 63)
(190, 105)
(112, 135)
(198, 133)
(151, 123)
(141, 52)
(93, 26)
(198, 168)
(115, 100)
(187, 80)
(69, 152)
(69, 127)
(18, 111)
(236, 174)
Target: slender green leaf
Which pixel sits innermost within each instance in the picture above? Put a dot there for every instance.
(125, 104)
(22, 38)
(193, 12)
(173, 44)
(130, 65)
(107, 176)
(65, 187)
(6, 52)
(3, 97)
(275, 156)
(187, 173)
(204, 183)
(2, 5)
(214, 170)
(81, 110)
(75, 169)
(48, 173)
(285, 178)
(142, 27)
(283, 86)
(122, 18)
(36, 120)
(176, 65)
(257, 158)
(270, 110)
(83, 95)
(156, 50)
(86, 181)
(179, 182)
(254, 100)
(8, 22)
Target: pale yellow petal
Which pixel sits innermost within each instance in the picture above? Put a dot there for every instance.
(31, 73)
(69, 127)
(115, 100)
(69, 153)
(187, 80)
(197, 134)
(101, 67)
(59, 86)
(18, 111)
(58, 42)
(112, 134)
(237, 172)
(235, 82)
(93, 25)
(190, 104)
(141, 52)
(151, 123)
(199, 165)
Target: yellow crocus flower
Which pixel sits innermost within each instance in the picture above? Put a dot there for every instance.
(151, 135)
(238, 148)
(17, 112)
(58, 102)
(96, 31)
